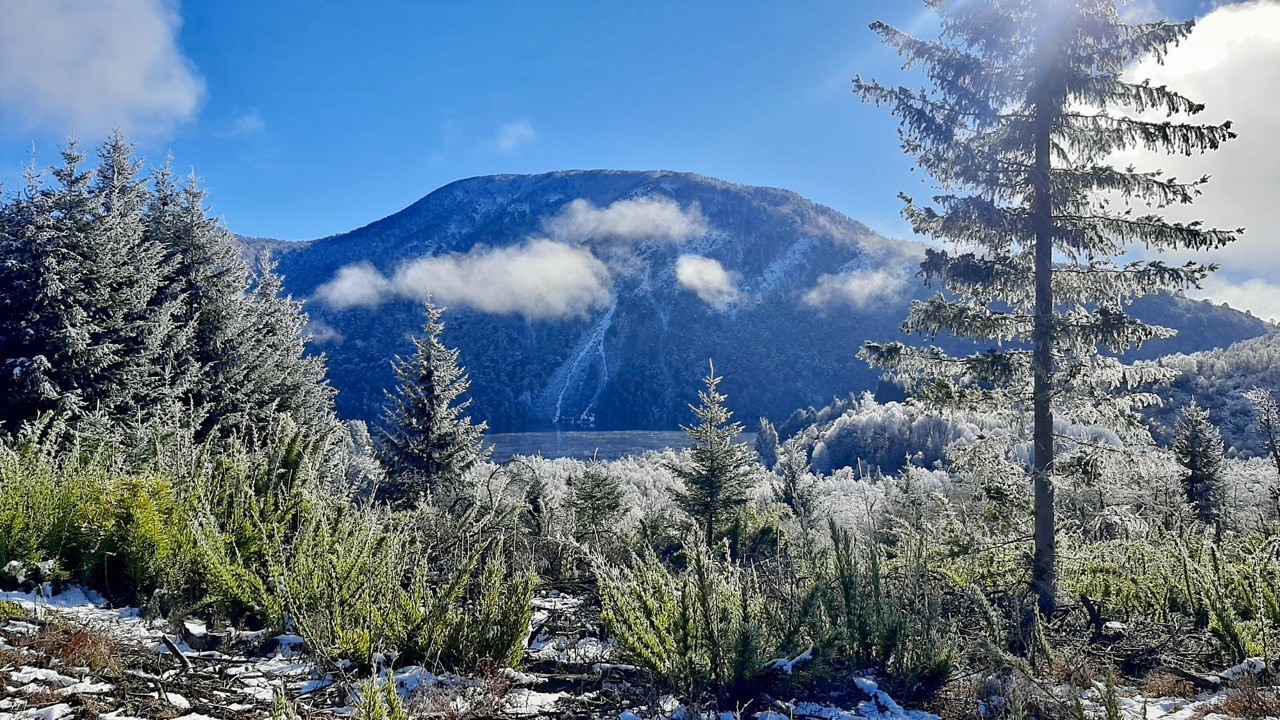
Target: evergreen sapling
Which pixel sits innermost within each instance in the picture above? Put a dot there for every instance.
(428, 442)
(720, 471)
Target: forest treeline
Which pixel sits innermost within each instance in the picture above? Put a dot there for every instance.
(127, 306)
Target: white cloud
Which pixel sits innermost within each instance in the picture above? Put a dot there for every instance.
(86, 67)
(322, 333)
(514, 135)
(355, 285)
(1258, 296)
(538, 279)
(857, 288)
(630, 221)
(1231, 63)
(705, 276)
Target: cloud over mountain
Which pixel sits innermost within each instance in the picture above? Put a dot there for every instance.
(705, 276)
(858, 288)
(538, 279)
(628, 221)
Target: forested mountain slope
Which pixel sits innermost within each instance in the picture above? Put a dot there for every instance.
(597, 297)
(1218, 379)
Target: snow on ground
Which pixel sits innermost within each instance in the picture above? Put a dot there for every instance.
(238, 684)
(245, 685)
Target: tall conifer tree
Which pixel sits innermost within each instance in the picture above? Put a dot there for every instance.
(1028, 103)
(429, 444)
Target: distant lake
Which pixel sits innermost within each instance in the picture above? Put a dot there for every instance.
(584, 444)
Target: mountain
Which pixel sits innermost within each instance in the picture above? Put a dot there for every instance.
(598, 297)
(1217, 380)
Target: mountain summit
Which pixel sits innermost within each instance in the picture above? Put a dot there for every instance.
(597, 297)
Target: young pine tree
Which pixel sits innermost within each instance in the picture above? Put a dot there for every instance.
(595, 502)
(1027, 106)
(720, 472)
(767, 443)
(1198, 447)
(428, 443)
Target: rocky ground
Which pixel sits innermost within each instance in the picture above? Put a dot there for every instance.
(71, 656)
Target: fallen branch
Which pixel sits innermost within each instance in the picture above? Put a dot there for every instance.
(173, 649)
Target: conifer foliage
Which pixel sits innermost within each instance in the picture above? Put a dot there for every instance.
(123, 305)
(596, 502)
(1267, 419)
(1198, 446)
(1028, 104)
(720, 472)
(427, 441)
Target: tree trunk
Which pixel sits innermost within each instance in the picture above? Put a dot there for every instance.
(1043, 571)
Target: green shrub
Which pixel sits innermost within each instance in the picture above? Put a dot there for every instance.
(1226, 587)
(884, 615)
(259, 534)
(353, 579)
(706, 631)
(104, 526)
(379, 700)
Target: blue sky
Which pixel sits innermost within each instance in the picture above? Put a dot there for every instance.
(311, 118)
(319, 117)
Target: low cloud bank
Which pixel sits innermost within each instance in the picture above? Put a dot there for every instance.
(705, 276)
(537, 279)
(858, 288)
(628, 221)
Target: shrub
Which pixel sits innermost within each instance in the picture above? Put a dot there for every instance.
(885, 615)
(1227, 588)
(706, 632)
(709, 631)
(380, 701)
(353, 579)
(66, 514)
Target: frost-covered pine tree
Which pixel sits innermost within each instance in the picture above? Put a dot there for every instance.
(1027, 105)
(85, 329)
(1198, 447)
(145, 381)
(720, 472)
(1266, 413)
(796, 487)
(124, 305)
(209, 280)
(767, 443)
(247, 347)
(267, 372)
(595, 501)
(428, 443)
